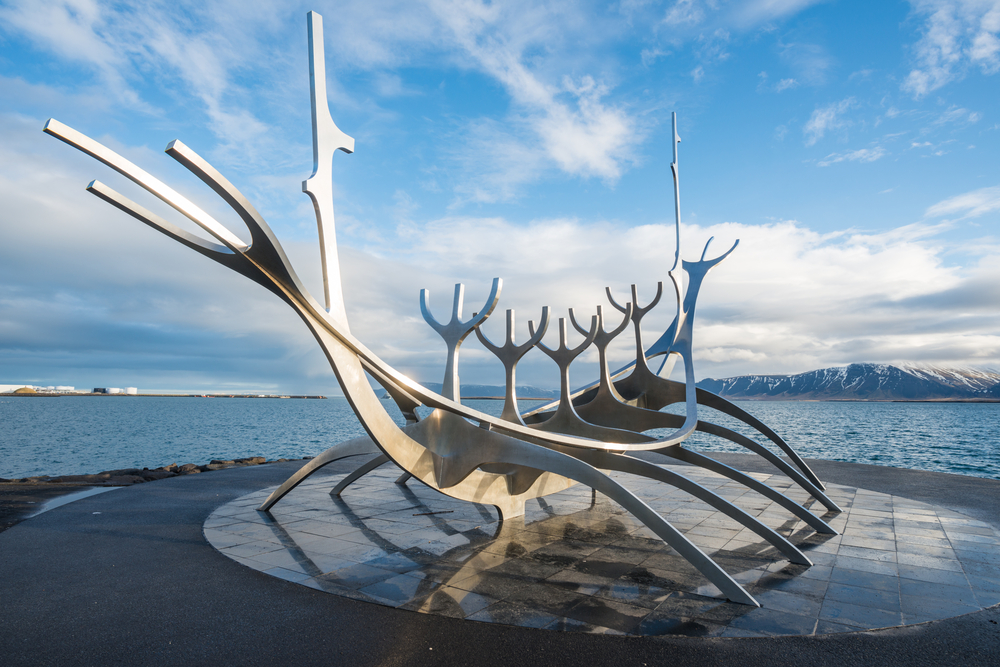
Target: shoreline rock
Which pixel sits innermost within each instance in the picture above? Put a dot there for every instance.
(129, 476)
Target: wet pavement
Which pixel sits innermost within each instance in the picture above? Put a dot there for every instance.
(577, 562)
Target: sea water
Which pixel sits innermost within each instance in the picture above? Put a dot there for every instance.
(80, 435)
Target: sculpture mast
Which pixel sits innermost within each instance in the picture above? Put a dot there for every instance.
(327, 139)
(674, 169)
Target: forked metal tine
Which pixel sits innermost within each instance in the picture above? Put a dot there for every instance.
(455, 331)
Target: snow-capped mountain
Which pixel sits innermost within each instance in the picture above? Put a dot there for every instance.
(866, 381)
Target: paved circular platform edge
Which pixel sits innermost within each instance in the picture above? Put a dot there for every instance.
(127, 578)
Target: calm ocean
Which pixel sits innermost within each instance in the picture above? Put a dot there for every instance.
(78, 435)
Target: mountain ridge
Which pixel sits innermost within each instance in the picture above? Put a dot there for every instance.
(864, 382)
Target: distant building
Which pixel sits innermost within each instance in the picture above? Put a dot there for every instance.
(132, 391)
(115, 390)
(99, 390)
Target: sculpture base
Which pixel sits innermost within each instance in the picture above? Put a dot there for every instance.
(579, 562)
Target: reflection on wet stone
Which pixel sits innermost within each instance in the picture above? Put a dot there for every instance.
(575, 565)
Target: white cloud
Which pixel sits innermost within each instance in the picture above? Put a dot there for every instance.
(956, 114)
(785, 84)
(578, 131)
(826, 118)
(78, 31)
(810, 62)
(956, 34)
(692, 14)
(755, 12)
(684, 13)
(788, 300)
(860, 155)
(968, 205)
(780, 86)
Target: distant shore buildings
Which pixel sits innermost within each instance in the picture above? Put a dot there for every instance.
(57, 389)
(62, 389)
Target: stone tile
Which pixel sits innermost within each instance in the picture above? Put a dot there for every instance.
(957, 538)
(863, 579)
(497, 586)
(932, 575)
(855, 540)
(919, 609)
(402, 588)
(250, 549)
(509, 613)
(802, 586)
(775, 622)
(608, 613)
(579, 582)
(951, 565)
(287, 575)
(654, 625)
(863, 597)
(824, 627)
(788, 602)
(963, 595)
(451, 602)
(357, 575)
(859, 616)
(637, 595)
(866, 565)
(981, 569)
(880, 555)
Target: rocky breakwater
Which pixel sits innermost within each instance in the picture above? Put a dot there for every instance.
(129, 476)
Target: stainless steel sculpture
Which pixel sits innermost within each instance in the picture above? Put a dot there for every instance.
(461, 452)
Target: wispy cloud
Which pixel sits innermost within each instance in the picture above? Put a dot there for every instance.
(957, 114)
(782, 85)
(79, 31)
(577, 130)
(860, 155)
(825, 119)
(685, 13)
(810, 62)
(968, 205)
(957, 34)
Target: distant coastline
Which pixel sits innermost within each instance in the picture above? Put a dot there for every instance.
(77, 394)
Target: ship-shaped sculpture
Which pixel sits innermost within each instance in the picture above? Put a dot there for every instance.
(461, 452)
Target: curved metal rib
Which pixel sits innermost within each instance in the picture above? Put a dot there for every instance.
(447, 437)
(144, 180)
(359, 472)
(694, 458)
(362, 445)
(773, 459)
(634, 466)
(716, 402)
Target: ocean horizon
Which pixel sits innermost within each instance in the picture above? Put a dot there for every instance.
(62, 436)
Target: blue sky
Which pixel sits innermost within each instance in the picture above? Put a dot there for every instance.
(851, 147)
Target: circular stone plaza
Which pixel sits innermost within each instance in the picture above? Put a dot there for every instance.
(187, 571)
